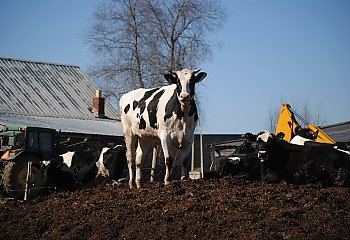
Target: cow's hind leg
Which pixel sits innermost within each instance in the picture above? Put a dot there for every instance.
(130, 142)
(141, 149)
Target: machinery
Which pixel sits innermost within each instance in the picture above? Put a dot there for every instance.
(288, 124)
(22, 151)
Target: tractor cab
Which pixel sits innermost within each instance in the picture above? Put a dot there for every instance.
(16, 140)
(24, 148)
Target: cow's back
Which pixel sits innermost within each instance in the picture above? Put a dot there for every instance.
(142, 110)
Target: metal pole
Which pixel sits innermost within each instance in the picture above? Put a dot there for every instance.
(202, 155)
(28, 181)
(154, 163)
(192, 159)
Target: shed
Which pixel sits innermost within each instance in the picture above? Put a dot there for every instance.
(52, 95)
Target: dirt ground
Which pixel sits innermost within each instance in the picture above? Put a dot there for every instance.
(229, 208)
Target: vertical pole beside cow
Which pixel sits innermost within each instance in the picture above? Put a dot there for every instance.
(164, 116)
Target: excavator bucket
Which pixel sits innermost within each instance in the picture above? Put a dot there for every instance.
(322, 137)
(286, 123)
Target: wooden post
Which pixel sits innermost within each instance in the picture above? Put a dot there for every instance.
(28, 181)
(154, 163)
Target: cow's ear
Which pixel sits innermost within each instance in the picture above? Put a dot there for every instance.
(280, 136)
(200, 76)
(171, 78)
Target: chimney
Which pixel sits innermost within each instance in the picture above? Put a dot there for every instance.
(98, 105)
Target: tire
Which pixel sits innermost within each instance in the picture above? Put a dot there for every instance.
(15, 175)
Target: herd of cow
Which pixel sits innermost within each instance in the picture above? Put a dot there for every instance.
(302, 161)
(167, 117)
(83, 168)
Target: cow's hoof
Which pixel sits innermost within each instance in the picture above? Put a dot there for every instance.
(166, 183)
(183, 177)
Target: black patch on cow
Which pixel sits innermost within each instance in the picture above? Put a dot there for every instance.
(193, 110)
(152, 109)
(169, 161)
(142, 102)
(126, 109)
(192, 84)
(178, 88)
(142, 124)
(115, 162)
(173, 106)
(135, 104)
(84, 165)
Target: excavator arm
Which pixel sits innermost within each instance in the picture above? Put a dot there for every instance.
(288, 125)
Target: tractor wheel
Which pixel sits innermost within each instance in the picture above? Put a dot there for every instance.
(15, 176)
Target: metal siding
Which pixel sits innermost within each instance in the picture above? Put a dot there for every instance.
(47, 89)
(339, 132)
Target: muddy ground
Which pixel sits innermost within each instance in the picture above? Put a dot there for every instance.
(229, 208)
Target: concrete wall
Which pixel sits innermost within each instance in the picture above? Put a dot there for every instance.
(201, 156)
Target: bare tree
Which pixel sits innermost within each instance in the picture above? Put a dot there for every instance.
(137, 41)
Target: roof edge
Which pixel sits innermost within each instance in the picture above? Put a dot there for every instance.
(39, 62)
(335, 125)
(62, 117)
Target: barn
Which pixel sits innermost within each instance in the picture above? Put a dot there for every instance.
(58, 96)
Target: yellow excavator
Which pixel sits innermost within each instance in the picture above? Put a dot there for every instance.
(289, 125)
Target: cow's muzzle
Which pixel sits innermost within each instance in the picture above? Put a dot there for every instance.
(184, 97)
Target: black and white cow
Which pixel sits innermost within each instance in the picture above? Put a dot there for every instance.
(303, 135)
(165, 116)
(243, 161)
(312, 163)
(73, 169)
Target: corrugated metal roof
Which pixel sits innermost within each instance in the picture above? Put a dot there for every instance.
(47, 90)
(66, 125)
(339, 132)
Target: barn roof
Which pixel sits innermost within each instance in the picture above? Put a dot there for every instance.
(340, 132)
(51, 95)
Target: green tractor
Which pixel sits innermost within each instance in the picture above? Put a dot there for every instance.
(23, 149)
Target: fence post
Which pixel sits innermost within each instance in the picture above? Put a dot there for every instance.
(28, 181)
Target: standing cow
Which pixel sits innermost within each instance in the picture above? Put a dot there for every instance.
(164, 116)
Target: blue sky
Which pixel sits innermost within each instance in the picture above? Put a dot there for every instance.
(270, 52)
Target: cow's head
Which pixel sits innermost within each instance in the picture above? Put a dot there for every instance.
(185, 80)
(266, 141)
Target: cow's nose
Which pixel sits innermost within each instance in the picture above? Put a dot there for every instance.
(184, 96)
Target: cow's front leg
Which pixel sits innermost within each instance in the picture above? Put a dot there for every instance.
(184, 168)
(167, 158)
(184, 158)
(168, 167)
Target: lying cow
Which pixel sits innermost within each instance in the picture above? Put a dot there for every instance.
(303, 135)
(164, 116)
(322, 164)
(243, 161)
(72, 169)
